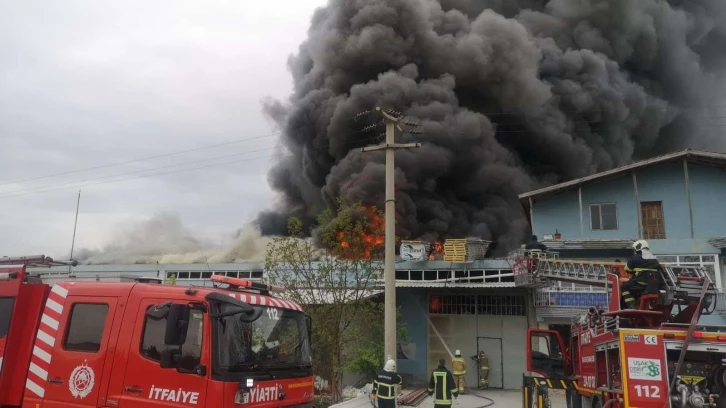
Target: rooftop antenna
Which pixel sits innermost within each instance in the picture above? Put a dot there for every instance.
(75, 225)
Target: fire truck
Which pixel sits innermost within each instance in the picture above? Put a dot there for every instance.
(142, 344)
(654, 356)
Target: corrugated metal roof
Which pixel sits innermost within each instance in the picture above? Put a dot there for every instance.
(320, 296)
(559, 311)
(451, 284)
(719, 242)
(561, 244)
(697, 156)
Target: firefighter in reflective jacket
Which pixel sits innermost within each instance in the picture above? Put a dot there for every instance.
(458, 369)
(442, 387)
(384, 386)
(642, 267)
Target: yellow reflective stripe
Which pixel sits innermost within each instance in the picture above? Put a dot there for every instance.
(391, 393)
(443, 389)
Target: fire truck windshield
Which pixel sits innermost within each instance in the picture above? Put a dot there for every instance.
(266, 339)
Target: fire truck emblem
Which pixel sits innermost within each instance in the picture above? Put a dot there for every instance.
(81, 381)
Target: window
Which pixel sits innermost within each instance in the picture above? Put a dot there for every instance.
(152, 341)
(603, 217)
(277, 338)
(497, 305)
(652, 215)
(546, 344)
(85, 328)
(6, 313)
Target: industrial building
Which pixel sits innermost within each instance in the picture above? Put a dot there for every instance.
(674, 201)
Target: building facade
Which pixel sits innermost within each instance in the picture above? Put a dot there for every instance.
(673, 201)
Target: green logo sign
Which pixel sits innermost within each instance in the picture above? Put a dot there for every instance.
(652, 370)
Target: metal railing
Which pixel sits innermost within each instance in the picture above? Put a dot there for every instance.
(578, 299)
(569, 298)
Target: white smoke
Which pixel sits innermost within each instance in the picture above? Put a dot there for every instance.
(164, 239)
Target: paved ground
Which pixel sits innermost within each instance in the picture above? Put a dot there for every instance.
(502, 399)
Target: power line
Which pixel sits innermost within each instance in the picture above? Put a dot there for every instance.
(27, 192)
(493, 114)
(142, 176)
(138, 171)
(22, 190)
(138, 160)
(367, 128)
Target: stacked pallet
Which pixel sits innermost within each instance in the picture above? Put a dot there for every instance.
(465, 250)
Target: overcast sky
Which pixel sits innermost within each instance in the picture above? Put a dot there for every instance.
(92, 83)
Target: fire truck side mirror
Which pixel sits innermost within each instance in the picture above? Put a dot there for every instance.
(176, 324)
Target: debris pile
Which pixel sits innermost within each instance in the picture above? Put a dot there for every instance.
(352, 392)
(413, 398)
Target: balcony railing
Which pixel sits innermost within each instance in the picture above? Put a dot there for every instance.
(570, 298)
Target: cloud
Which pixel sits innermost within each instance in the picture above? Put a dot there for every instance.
(88, 84)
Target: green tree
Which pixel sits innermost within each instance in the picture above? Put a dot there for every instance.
(333, 275)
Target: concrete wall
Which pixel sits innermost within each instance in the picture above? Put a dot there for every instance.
(503, 338)
(559, 213)
(412, 303)
(708, 185)
(665, 182)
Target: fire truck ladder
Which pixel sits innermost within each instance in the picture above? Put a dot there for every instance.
(35, 261)
(540, 269)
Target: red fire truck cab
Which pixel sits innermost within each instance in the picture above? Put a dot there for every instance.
(137, 345)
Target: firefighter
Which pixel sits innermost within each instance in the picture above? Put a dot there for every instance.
(535, 246)
(458, 369)
(483, 362)
(442, 386)
(642, 268)
(384, 386)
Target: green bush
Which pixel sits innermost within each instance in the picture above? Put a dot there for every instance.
(367, 362)
(321, 402)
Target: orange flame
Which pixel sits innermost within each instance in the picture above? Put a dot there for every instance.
(437, 248)
(369, 240)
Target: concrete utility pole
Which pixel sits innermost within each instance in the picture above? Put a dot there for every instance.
(391, 120)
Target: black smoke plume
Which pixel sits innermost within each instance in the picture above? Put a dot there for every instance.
(513, 95)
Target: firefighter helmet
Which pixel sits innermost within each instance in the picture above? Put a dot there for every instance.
(458, 353)
(390, 366)
(640, 244)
